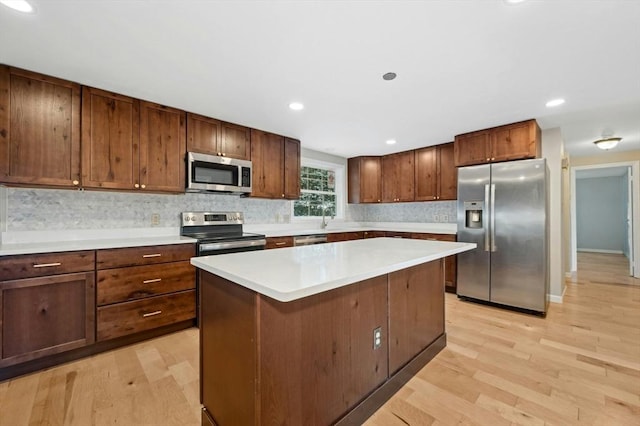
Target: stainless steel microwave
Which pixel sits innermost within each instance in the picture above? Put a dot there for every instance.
(211, 173)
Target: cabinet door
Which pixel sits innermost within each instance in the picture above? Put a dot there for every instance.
(235, 141)
(291, 169)
(364, 180)
(39, 129)
(203, 134)
(472, 148)
(390, 178)
(267, 156)
(162, 148)
(46, 315)
(110, 140)
(426, 174)
(447, 173)
(515, 142)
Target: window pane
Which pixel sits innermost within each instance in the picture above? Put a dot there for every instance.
(318, 187)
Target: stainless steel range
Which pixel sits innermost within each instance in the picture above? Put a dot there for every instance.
(219, 233)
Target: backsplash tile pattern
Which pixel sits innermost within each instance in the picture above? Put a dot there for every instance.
(55, 209)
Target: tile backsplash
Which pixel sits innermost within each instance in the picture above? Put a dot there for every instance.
(53, 209)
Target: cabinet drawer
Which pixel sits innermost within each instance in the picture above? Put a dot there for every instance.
(136, 282)
(135, 256)
(140, 315)
(38, 265)
(279, 242)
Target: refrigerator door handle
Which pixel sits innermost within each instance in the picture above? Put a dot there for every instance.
(493, 217)
(487, 234)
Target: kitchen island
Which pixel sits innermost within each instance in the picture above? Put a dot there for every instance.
(320, 334)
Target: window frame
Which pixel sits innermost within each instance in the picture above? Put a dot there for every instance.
(340, 185)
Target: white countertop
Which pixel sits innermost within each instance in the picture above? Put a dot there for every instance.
(292, 273)
(90, 244)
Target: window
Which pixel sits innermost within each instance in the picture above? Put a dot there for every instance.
(321, 188)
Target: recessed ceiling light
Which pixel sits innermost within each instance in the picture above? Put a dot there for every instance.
(19, 5)
(554, 103)
(296, 106)
(391, 141)
(389, 76)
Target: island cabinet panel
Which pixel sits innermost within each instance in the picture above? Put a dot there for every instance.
(416, 311)
(305, 362)
(450, 262)
(39, 129)
(162, 148)
(333, 366)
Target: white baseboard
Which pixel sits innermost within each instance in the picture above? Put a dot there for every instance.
(556, 299)
(587, 250)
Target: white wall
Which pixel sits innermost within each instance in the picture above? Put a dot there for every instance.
(553, 151)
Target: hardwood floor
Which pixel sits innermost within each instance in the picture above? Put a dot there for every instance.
(579, 365)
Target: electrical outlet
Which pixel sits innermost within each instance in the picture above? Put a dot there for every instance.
(377, 337)
(444, 218)
(155, 219)
(436, 218)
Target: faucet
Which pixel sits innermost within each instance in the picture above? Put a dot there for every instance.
(324, 223)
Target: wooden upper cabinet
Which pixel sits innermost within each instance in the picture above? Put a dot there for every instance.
(291, 169)
(214, 137)
(398, 177)
(162, 148)
(364, 184)
(267, 157)
(447, 173)
(110, 140)
(235, 141)
(39, 129)
(203, 134)
(515, 141)
(472, 148)
(426, 174)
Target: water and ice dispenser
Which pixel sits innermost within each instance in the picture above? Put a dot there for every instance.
(473, 214)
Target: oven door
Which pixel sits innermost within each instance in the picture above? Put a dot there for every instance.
(223, 247)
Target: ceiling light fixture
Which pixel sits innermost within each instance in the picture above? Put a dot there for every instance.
(389, 76)
(19, 5)
(513, 1)
(607, 143)
(391, 141)
(554, 103)
(296, 106)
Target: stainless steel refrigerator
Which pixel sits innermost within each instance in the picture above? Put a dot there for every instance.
(502, 207)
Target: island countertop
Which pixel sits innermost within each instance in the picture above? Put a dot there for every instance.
(293, 273)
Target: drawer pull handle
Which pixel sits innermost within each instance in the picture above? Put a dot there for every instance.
(281, 243)
(155, 280)
(152, 255)
(151, 314)
(46, 265)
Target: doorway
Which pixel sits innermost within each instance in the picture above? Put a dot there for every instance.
(604, 212)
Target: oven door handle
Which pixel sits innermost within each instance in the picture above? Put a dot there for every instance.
(231, 245)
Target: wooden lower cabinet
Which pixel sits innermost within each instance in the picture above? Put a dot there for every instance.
(121, 319)
(278, 242)
(450, 262)
(373, 234)
(142, 288)
(47, 305)
(312, 361)
(344, 236)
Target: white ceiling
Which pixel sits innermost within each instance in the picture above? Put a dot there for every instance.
(461, 65)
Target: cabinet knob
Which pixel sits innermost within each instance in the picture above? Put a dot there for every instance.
(75, 182)
(143, 186)
(224, 154)
(493, 158)
(488, 159)
(282, 195)
(136, 186)
(219, 153)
